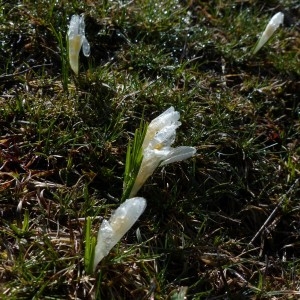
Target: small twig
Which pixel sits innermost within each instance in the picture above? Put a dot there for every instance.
(273, 212)
(7, 76)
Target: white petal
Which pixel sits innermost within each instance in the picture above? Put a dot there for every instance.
(178, 154)
(151, 161)
(103, 242)
(74, 48)
(86, 49)
(163, 138)
(74, 26)
(277, 20)
(126, 215)
(167, 118)
(81, 25)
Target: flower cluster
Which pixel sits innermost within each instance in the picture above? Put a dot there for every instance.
(157, 151)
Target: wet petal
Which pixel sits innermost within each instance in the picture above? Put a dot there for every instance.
(86, 49)
(179, 154)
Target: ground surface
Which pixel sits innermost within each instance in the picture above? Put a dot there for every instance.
(222, 225)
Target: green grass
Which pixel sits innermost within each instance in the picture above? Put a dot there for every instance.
(205, 233)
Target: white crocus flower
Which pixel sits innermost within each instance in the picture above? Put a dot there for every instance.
(77, 39)
(273, 24)
(157, 150)
(120, 222)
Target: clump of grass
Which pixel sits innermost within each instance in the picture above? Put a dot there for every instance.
(221, 226)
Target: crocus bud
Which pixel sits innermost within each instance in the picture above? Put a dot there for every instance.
(77, 39)
(120, 222)
(274, 23)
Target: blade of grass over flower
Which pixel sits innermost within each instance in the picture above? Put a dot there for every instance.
(89, 249)
(134, 157)
(64, 57)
